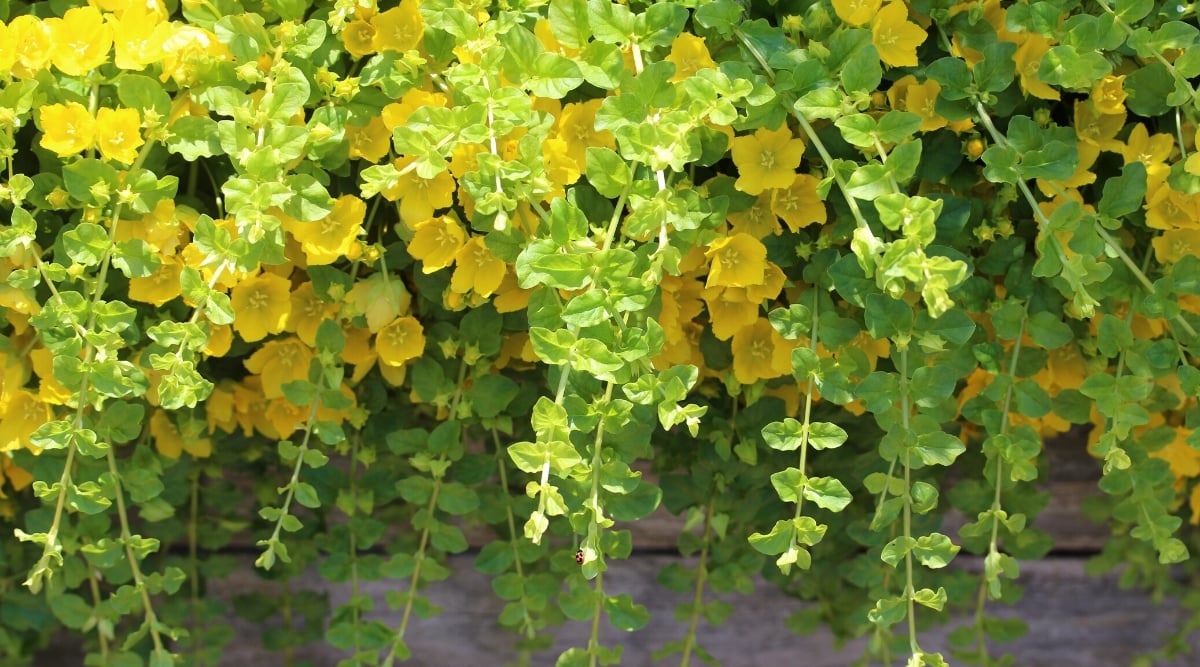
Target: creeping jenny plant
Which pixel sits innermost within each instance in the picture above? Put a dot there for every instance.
(408, 272)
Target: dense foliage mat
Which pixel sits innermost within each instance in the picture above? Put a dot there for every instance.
(343, 283)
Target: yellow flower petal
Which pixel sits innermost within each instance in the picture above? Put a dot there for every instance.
(895, 37)
(766, 159)
(401, 341)
(66, 128)
(261, 306)
(738, 260)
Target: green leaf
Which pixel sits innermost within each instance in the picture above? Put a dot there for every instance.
(607, 171)
(553, 76)
(828, 493)
(897, 549)
(569, 23)
(997, 69)
(1124, 194)
(1063, 66)
(887, 317)
(307, 495)
(935, 551)
(927, 598)
(87, 243)
(938, 448)
(624, 614)
(785, 436)
(1048, 331)
(1055, 161)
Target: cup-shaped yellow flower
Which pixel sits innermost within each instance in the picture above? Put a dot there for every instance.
(1028, 59)
(308, 312)
(357, 37)
(760, 353)
(279, 362)
(1109, 94)
(729, 311)
(139, 35)
(8, 49)
(22, 415)
(119, 134)
(759, 220)
(261, 306)
(477, 269)
(396, 114)
(1098, 129)
(576, 125)
(737, 260)
(436, 242)
(160, 286)
(330, 238)
(399, 28)
(17, 477)
(419, 197)
(66, 128)
(895, 37)
(170, 442)
(856, 12)
(81, 40)
(1175, 244)
(690, 55)
(31, 40)
(370, 142)
(400, 341)
(799, 204)
(766, 159)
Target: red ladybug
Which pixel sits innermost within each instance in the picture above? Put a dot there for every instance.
(579, 556)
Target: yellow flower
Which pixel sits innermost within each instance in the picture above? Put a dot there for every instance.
(1028, 58)
(22, 415)
(895, 37)
(921, 99)
(219, 410)
(66, 128)
(8, 50)
(690, 55)
(1184, 460)
(729, 311)
(139, 35)
(737, 260)
(261, 306)
(399, 28)
(1175, 244)
(380, 298)
(510, 297)
(330, 238)
(308, 312)
(220, 338)
(436, 242)
(1109, 94)
(118, 134)
(477, 269)
(279, 362)
(766, 159)
(1150, 151)
(371, 142)
(758, 221)
(760, 353)
(681, 305)
(32, 41)
(856, 12)
(50, 390)
(286, 417)
(18, 478)
(1098, 129)
(561, 169)
(189, 50)
(419, 197)
(81, 40)
(396, 114)
(358, 38)
(160, 286)
(358, 351)
(576, 125)
(799, 204)
(171, 443)
(400, 341)
(1167, 208)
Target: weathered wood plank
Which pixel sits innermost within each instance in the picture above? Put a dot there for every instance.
(1075, 621)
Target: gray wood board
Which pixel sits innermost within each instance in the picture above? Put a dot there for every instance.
(1075, 621)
